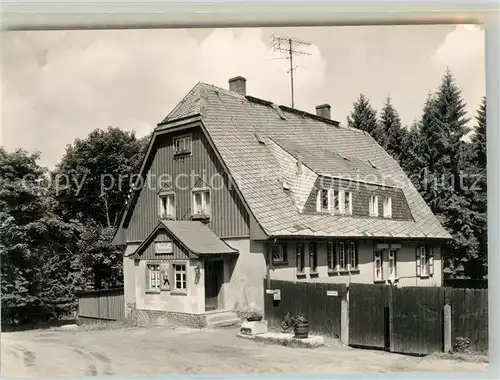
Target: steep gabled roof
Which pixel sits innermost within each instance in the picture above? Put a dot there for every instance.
(239, 126)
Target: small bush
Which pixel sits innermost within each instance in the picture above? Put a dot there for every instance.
(462, 345)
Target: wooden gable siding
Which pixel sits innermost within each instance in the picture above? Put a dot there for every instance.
(178, 251)
(361, 197)
(229, 217)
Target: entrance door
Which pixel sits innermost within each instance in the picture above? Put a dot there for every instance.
(213, 282)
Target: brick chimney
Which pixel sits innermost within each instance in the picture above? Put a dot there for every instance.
(323, 111)
(239, 85)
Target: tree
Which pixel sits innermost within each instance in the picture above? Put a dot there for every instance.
(410, 155)
(390, 134)
(35, 284)
(95, 175)
(363, 116)
(443, 126)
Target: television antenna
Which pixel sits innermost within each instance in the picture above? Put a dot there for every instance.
(290, 46)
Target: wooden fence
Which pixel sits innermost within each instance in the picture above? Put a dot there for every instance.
(411, 319)
(320, 303)
(107, 304)
(406, 320)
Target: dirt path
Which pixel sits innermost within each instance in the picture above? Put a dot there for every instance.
(157, 351)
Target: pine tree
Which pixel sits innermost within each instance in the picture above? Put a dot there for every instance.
(363, 116)
(443, 125)
(390, 134)
(410, 155)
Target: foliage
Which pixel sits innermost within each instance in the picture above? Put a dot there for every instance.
(390, 134)
(363, 116)
(462, 345)
(288, 321)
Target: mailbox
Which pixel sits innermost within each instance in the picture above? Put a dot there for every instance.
(277, 295)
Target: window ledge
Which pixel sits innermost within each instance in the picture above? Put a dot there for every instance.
(153, 291)
(343, 272)
(301, 275)
(182, 153)
(314, 274)
(425, 276)
(280, 263)
(167, 217)
(200, 217)
(379, 281)
(178, 292)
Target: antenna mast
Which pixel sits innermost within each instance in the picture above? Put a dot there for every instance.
(290, 46)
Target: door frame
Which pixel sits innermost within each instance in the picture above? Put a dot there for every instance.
(217, 282)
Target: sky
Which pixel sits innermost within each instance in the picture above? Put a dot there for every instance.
(61, 85)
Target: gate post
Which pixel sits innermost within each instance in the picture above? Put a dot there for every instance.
(447, 328)
(344, 319)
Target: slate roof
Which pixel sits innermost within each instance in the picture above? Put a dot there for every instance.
(236, 123)
(194, 235)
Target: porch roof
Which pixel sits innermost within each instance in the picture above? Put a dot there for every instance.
(198, 238)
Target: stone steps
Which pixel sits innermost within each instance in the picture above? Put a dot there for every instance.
(224, 318)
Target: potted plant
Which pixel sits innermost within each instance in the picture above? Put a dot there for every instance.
(254, 316)
(301, 327)
(286, 322)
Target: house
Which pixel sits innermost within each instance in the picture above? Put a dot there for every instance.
(235, 189)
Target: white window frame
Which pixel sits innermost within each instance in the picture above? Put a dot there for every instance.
(348, 198)
(373, 205)
(300, 257)
(282, 258)
(425, 261)
(387, 205)
(183, 144)
(183, 276)
(331, 252)
(352, 256)
(205, 207)
(337, 198)
(378, 256)
(323, 194)
(342, 262)
(167, 209)
(154, 276)
(392, 264)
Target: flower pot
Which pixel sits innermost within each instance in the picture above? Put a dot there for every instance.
(301, 330)
(254, 318)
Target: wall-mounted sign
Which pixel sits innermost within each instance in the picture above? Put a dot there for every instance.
(164, 247)
(332, 293)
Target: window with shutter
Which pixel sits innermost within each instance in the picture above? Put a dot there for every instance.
(331, 255)
(313, 257)
(378, 270)
(342, 257)
(391, 261)
(152, 277)
(300, 258)
(353, 256)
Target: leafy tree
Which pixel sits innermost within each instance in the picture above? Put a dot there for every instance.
(363, 116)
(390, 134)
(32, 236)
(94, 176)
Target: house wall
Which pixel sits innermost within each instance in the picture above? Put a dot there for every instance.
(193, 302)
(129, 280)
(229, 217)
(361, 193)
(244, 276)
(405, 266)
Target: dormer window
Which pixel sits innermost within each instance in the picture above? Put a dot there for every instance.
(373, 205)
(201, 204)
(387, 207)
(348, 203)
(167, 205)
(182, 145)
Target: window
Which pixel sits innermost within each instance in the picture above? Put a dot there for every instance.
(336, 202)
(348, 203)
(331, 256)
(182, 145)
(180, 277)
(322, 201)
(278, 253)
(201, 202)
(373, 206)
(378, 273)
(342, 258)
(167, 206)
(153, 276)
(300, 258)
(425, 261)
(313, 257)
(391, 261)
(353, 256)
(387, 207)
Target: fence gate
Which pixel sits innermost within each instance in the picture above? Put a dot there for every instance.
(369, 315)
(417, 320)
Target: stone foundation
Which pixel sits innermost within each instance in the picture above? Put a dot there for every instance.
(162, 318)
